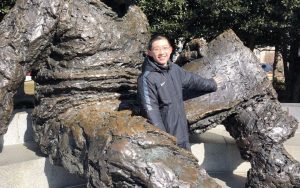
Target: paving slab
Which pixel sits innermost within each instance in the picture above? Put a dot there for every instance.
(19, 129)
(22, 167)
(229, 180)
(292, 109)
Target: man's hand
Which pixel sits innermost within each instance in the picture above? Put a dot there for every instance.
(218, 79)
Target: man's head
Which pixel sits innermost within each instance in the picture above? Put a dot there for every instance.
(160, 49)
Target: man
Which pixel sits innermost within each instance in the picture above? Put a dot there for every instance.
(160, 90)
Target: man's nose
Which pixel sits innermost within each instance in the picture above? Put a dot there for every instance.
(161, 50)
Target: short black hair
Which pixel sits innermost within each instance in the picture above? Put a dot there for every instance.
(156, 37)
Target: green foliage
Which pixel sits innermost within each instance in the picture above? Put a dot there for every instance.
(269, 19)
(166, 16)
(5, 6)
(208, 18)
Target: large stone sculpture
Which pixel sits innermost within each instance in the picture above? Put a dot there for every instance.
(85, 57)
(247, 105)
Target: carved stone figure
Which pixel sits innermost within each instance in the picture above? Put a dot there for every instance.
(85, 57)
(247, 105)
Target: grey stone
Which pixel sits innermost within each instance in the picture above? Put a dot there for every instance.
(247, 105)
(85, 58)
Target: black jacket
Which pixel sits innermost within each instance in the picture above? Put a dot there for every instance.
(161, 97)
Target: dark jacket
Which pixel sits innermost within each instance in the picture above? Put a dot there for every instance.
(161, 97)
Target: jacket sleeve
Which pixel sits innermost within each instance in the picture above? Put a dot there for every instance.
(196, 82)
(148, 98)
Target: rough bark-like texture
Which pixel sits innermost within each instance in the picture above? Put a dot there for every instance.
(85, 57)
(115, 149)
(247, 105)
(24, 32)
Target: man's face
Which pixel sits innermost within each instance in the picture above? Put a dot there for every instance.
(160, 51)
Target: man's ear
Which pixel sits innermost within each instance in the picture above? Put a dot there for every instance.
(148, 53)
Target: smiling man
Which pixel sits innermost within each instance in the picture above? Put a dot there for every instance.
(160, 90)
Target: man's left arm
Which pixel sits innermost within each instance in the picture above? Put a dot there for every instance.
(196, 82)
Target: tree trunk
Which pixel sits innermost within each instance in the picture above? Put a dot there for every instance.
(286, 66)
(275, 62)
(251, 42)
(295, 77)
(278, 75)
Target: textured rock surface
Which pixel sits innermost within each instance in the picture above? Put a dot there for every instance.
(247, 105)
(85, 56)
(115, 149)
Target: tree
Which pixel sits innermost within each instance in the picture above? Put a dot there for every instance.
(5, 6)
(166, 16)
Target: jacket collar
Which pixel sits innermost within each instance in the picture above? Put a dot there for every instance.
(152, 66)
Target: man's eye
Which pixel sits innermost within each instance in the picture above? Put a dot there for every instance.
(166, 48)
